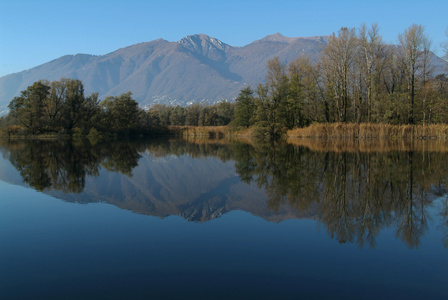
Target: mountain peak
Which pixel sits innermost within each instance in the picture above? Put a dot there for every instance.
(195, 68)
(277, 38)
(197, 41)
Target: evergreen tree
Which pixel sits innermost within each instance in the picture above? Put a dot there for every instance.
(244, 108)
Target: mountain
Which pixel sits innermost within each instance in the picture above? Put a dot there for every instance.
(198, 68)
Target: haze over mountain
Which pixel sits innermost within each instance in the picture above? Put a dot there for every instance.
(198, 68)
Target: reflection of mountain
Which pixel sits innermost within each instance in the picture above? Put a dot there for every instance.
(196, 189)
(354, 194)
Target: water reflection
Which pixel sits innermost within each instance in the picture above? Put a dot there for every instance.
(63, 166)
(355, 194)
(355, 191)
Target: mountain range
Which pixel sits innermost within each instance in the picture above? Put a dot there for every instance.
(194, 69)
(197, 68)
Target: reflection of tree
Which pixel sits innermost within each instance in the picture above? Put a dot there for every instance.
(411, 217)
(63, 165)
(120, 157)
(355, 194)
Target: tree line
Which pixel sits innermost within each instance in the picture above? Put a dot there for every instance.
(218, 114)
(62, 107)
(358, 78)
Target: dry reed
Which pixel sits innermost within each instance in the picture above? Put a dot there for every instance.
(371, 145)
(370, 131)
(202, 131)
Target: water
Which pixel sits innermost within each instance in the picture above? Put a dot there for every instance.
(165, 219)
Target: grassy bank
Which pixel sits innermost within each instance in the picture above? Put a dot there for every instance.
(342, 131)
(370, 131)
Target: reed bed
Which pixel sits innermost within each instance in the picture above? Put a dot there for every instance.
(370, 131)
(371, 145)
(201, 140)
(213, 132)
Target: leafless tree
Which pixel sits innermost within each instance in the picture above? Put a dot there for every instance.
(372, 56)
(337, 61)
(414, 55)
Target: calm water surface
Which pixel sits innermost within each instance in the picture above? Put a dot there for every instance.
(166, 219)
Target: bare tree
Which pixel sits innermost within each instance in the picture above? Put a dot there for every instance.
(337, 62)
(414, 55)
(372, 55)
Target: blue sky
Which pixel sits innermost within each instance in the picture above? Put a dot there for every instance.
(35, 32)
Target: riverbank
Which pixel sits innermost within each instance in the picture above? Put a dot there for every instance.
(370, 131)
(370, 145)
(340, 131)
(325, 131)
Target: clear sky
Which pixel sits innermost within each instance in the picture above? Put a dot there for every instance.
(35, 32)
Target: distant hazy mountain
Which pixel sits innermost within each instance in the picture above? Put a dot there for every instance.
(196, 68)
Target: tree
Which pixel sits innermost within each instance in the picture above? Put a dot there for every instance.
(413, 45)
(74, 101)
(55, 103)
(224, 112)
(271, 116)
(125, 113)
(91, 112)
(177, 116)
(192, 115)
(337, 61)
(277, 84)
(304, 92)
(244, 108)
(28, 108)
(372, 56)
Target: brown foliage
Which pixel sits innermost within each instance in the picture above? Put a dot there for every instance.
(370, 131)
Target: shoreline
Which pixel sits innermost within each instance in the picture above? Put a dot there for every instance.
(321, 131)
(370, 131)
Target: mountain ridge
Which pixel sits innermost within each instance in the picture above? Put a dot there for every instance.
(196, 68)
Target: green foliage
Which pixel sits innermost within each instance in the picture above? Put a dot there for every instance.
(28, 108)
(219, 114)
(124, 113)
(244, 108)
(62, 107)
(73, 104)
(192, 115)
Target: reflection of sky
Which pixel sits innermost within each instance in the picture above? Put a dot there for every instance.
(62, 250)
